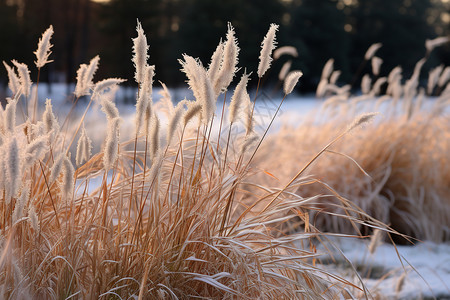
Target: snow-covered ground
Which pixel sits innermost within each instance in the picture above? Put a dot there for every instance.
(401, 272)
(426, 265)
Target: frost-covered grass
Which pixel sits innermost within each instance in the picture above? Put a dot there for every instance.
(158, 208)
(395, 170)
(102, 199)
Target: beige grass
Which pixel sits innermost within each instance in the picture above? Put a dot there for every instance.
(165, 222)
(396, 169)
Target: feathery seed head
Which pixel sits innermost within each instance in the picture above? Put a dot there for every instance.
(13, 166)
(371, 51)
(141, 107)
(148, 81)
(445, 76)
(37, 130)
(10, 116)
(327, 69)
(80, 88)
(50, 121)
(105, 85)
(366, 84)
(111, 151)
(34, 220)
(248, 117)
(140, 57)
(417, 69)
(439, 41)
(68, 177)
(201, 85)
(395, 74)
(43, 50)
(208, 97)
(229, 62)
(36, 150)
(285, 50)
(335, 76)
(376, 64)
(14, 82)
(148, 118)
(267, 46)
(361, 120)
(377, 86)
(56, 168)
(24, 78)
(191, 67)
(291, 81)
(322, 88)
(90, 72)
(284, 70)
(33, 102)
(21, 202)
(155, 170)
(433, 78)
(84, 147)
(154, 136)
(144, 102)
(214, 66)
(109, 108)
(85, 75)
(238, 98)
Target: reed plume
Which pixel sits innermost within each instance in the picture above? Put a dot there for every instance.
(376, 65)
(110, 150)
(84, 147)
(13, 161)
(85, 75)
(140, 56)
(43, 51)
(291, 81)
(267, 46)
(105, 85)
(229, 62)
(433, 43)
(285, 50)
(13, 79)
(237, 100)
(372, 50)
(10, 117)
(24, 78)
(445, 77)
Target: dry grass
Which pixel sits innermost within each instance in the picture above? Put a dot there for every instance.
(169, 219)
(183, 211)
(395, 170)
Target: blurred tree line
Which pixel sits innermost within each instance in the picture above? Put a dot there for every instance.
(339, 29)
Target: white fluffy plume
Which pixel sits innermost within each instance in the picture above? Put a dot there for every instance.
(43, 50)
(267, 46)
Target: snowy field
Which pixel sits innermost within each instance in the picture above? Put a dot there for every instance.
(421, 271)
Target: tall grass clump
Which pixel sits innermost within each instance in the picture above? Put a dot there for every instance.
(167, 218)
(395, 170)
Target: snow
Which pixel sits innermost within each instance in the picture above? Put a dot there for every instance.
(425, 267)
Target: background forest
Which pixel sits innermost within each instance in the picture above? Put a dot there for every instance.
(339, 29)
